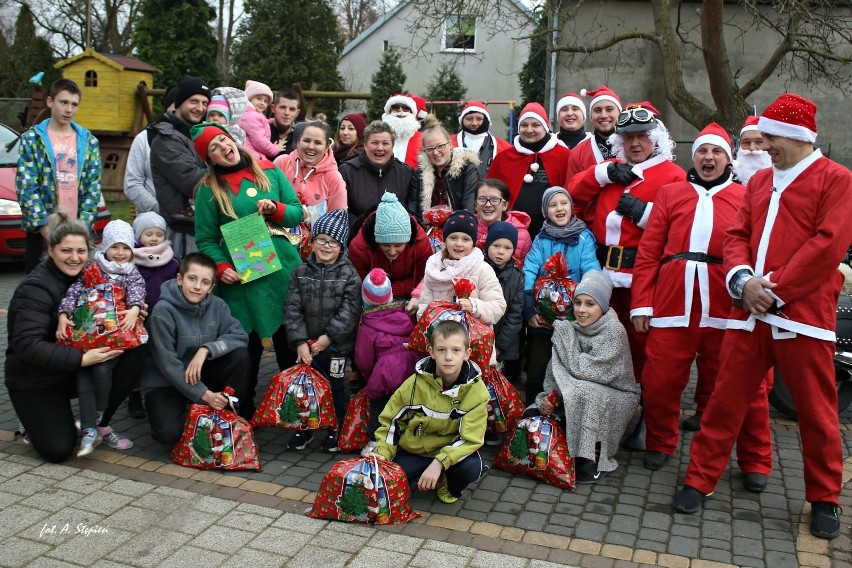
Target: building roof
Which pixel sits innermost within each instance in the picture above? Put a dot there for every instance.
(118, 62)
(395, 10)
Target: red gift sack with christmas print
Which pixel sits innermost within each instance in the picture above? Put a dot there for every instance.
(364, 490)
(505, 407)
(536, 448)
(481, 334)
(298, 398)
(216, 439)
(95, 316)
(353, 432)
(553, 293)
(435, 217)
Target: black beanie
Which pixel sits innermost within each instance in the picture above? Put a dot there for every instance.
(462, 221)
(501, 230)
(188, 87)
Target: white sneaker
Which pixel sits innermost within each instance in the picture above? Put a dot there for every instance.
(89, 443)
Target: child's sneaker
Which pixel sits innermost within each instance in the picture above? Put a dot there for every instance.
(300, 440)
(113, 439)
(368, 449)
(493, 438)
(329, 445)
(21, 434)
(89, 443)
(443, 491)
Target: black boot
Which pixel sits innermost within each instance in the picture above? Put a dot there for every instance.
(135, 409)
(636, 440)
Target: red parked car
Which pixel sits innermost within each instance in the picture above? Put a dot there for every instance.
(12, 237)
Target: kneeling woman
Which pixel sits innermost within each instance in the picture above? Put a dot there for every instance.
(592, 370)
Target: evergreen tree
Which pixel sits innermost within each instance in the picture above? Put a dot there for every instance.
(354, 501)
(446, 85)
(27, 55)
(519, 447)
(388, 80)
(281, 43)
(289, 411)
(175, 37)
(201, 442)
(532, 75)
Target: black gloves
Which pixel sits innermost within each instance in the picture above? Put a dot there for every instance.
(620, 173)
(631, 207)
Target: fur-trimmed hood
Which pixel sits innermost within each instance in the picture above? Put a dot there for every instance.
(459, 160)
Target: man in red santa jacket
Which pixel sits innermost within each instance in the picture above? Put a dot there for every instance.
(781, 256)
(404, 113)
(617, 197)
(604, 107)
(681, 301)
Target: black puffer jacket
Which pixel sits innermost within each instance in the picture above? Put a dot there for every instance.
(366, 183)
(508, 329)
(323, 299)
(461, 177)
(33, 359)
(176, 167)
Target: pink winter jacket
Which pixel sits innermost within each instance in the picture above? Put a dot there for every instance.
(380, 353)
(487, 299)
(258, 135)
(321, 188)
(518, 219)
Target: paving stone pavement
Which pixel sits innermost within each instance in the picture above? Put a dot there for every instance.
(151, 507)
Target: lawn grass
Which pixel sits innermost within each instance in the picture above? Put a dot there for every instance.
(121, 209)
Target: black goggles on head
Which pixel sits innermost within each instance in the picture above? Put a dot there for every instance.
(634, 115)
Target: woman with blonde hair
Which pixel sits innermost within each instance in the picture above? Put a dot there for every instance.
(238, 185)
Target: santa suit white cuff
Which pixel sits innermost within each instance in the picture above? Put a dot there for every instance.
(641, 312)
(601, 175)
(732, 273)
(772, 294)
(643, 222)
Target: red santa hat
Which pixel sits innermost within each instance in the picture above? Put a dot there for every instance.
(571, 99)
(749, 124)
(475, 106)
(602, 93)
(406, 99)
(536, 111)
(716, 135)
(420, 102)
(646, 105)
(790, 116)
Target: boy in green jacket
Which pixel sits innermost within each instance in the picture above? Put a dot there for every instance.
(434, 424)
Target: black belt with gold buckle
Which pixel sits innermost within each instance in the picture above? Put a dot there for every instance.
(616, 257)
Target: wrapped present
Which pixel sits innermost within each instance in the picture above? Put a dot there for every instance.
(298, 398)
(435, 217)
(216, 439)
(536, 448)
(364, 490)
(505, 407)
(353, 432)
(481, 334)
(553, 293)
(95, 316)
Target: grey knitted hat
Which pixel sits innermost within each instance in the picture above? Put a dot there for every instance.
(597, 285)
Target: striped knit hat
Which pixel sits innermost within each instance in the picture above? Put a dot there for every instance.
(334, 224)
(376, 289)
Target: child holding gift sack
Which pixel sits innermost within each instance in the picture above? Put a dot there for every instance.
(434, 424)
(115, 262)
(322, 310)
(154, 257)
(562, 232)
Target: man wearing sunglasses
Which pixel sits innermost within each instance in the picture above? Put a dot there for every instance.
(780, 257)
(404, 114)
(616, 198)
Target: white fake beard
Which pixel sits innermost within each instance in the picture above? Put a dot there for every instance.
(749, 161)
(404, 126)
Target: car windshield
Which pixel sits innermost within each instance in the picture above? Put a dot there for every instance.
(8, 147)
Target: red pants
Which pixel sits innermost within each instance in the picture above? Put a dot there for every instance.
(620, 302)
(746, 358)
(670, 352)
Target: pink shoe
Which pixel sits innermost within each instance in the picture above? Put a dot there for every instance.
(113, 439)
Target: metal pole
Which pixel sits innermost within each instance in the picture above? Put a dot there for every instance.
(88, 24)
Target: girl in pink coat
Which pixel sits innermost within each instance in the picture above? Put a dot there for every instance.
(492, 204)
(312, 171)
(254, 122)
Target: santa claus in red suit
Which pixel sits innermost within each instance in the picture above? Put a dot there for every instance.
(781, 256)
(681, 301)
(475, 121)
(604, 107)
(535, 162)
(403, 113)
(617, 197)
(750, 155)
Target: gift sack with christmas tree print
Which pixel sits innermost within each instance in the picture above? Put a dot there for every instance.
(536, 448)
(435, 217)
(353, 432)
(216, 439)
(505, 407)
(553, 293)
(298, 398)
(95, 316)
(364, 490)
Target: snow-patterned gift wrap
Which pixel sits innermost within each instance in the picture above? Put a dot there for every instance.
(366, 490)
(298, 398)
(536, 448)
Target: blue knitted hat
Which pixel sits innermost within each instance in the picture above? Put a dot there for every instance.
(501, 230)
(335, 224)
(393, 224)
